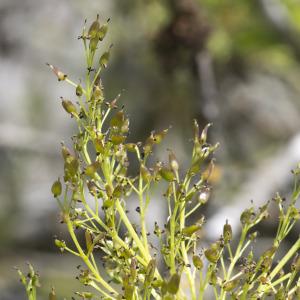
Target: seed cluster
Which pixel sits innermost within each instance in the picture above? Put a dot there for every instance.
(118, 260)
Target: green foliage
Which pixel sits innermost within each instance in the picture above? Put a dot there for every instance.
(98, 184)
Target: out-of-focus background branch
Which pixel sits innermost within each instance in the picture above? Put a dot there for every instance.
(233, 63)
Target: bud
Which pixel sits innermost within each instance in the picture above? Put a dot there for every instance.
(56, 188)
(197, 261)
(173, 284)
(69, 107)
(79, 90)
(60, 75)
(227, 232)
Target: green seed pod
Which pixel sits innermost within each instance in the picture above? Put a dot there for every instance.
(246, 216)
(197, 261)
(118, 119)
(203, 136)
(173, 284)
(65, 152)
(296, 264)
(130, 147)
(91, 170)
(167, 174)
(149, 144)
(117, 139)
(104, 59)
(230, 285)
(213, 278)
(173, 162)
(109, 190)
(56, 188)
(158, 137)
(52, 295)
(71, 166)
(118, 191)
(190, 230)
(102, 31)
(88, 240)
(60, 244)
(213, 253)
(280, 295)
(150, 270)
(69, 107)
(146, 175)
(93, 44)
(94, 28)
(227, 233)
(99, 146)
(79, 90)
(97, 94)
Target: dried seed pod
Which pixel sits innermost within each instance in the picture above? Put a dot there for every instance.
(69, 107)
(56, 188)
(173, 284)
(227, 232)
(52, 295)
(59, 74)
(173, 162)
(197, 261)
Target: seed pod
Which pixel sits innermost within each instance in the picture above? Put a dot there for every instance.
(146, 175)
(88, 240)
(130, 147)
(99, 147)
(117, 193)
(197, 261)
(133, 269)
(104, 59)
(203, 136)
(203, 195)
(150, 270)
(94, 28)
(296, 264)
(190, 230)
(167, 174)
(102, 31)
(60, 244)
(230, 285)
(65, 151)
(118, 119)
(69, 107)
(246, 216)
(79, 90)
(173, 284)
(227, 232)
(91, 170)
(280, 295)
(52, 295)
(117, 139)
(173, 162)
(213, 253)
(60, 75)
(56, 188)
(158, 137)
(71, 165)
(97, 94)
(93, 44)
(149, 144)
(213, 278)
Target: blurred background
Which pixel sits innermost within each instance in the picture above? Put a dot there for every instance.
(233, 63)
